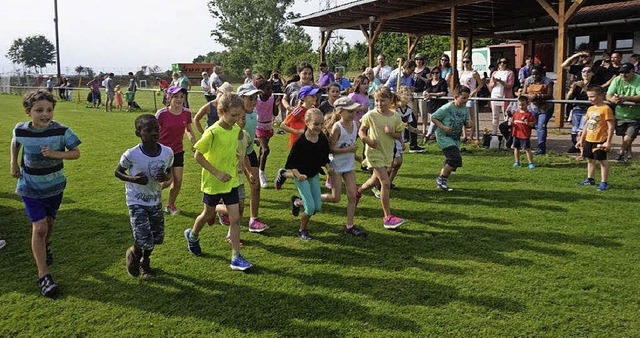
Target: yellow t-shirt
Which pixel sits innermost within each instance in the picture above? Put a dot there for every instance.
(382, 156)
(219, 146)
(241, 152)
(596, 123)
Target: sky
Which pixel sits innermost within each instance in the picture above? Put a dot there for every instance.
(121, 35)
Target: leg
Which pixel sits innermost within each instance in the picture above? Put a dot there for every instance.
(39, 234)
(541, 129)
(176, 185)
(604, 170)
(304, 189)
(350, 187)
(529, 155)
(264, 151)
(254, 200)
(234, 227)
(496, 112)
(395, 167)
(591, 168)
(336, 190)
(516, 155)
(385, 186)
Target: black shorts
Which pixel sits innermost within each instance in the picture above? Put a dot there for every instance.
(228, 198)
(253, 159)
(591, 151)
(452, 157)
(627, 128)
(178, 159)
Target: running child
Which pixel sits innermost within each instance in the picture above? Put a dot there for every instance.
(450, 120)
(175, 121)
(45, 145)
(216, 153)
(595, 140)
(307, 156)
(266, 110)
(143, 168)
(342, 131)
(522, 121)
(379, 130)
(294, 124)
(333, 93)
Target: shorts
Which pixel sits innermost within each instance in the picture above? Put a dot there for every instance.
(40, 208)
(178, 159)
(228, 198)
(627, 128)
(147, 225)
(593, 152)
(253, 159)
(521, 143)
(264, 133)
(452, 157)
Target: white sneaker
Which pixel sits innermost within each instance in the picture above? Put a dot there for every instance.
(2, 243)
(263, 180)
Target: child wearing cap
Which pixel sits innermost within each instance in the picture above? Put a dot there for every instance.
(294, 124)
(175, 121)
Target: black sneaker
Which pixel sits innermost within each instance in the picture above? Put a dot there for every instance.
(304, 235)
(145, 268)
(48, 287)
(620, 158)
(133, 262)
(295, 209)
(393, 187)
(280, 179)
(355, 232)
(416, 149)
(573, 150)
(49, 254)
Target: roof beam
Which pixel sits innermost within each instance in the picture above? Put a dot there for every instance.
(573, 9)
(552, 13)
(406, 12)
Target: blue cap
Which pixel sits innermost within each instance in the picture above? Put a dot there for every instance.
(307, 91)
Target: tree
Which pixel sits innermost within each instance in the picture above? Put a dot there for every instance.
(32, 52)
(252, 31)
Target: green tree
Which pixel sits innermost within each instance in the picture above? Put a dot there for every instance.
(32, 52)
(252, 31)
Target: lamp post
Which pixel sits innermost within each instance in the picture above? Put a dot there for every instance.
(55, 20)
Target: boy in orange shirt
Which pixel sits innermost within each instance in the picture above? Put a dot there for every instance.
(596, 137)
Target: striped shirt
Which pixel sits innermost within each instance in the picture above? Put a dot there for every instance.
(42, 177)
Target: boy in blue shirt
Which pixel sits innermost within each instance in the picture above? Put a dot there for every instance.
(450, 120)
(45, 144)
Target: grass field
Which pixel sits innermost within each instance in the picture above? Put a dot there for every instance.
(509, 252)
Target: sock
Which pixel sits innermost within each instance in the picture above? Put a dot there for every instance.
(349, 226)
(261, 172)
(251, 219)
(193, 237)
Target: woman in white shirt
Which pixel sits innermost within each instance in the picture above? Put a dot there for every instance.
(501, 85)
(470, 79)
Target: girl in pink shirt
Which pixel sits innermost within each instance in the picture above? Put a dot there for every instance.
(360, 95)
(265, 107)
(175, 121)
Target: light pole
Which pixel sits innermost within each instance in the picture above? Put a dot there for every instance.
(55, 19)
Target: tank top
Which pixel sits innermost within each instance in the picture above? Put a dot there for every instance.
(467, 80)
(212, 117)
(265, 113)
(345, 162)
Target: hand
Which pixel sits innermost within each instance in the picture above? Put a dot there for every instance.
(606, 146)
(140, 178)
(372, 143)
(299, 131)
(161, 176)
(301, 177)
(48, 152)
(446, 129)
(224, 177)
(387, 130)
(15, 170)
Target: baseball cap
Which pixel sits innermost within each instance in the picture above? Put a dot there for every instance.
(175, 89)
(307, 91)
(345, 103)
(627, 68)
(248, 90)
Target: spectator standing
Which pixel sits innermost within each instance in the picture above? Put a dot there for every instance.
(501, 85)
(325, 77)
(539, 88)
(382, 71)
(626, 88)
(248, 76)
(186, 85)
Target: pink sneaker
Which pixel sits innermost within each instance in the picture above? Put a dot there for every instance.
(172, 209)
(392, 222)
(257, 226)
(223, 219)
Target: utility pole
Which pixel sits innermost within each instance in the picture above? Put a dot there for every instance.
(55, 20)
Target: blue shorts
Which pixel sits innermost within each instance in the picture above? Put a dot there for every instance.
(40, 208)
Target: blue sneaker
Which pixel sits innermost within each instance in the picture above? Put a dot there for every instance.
(603, 186)
(240, 264)
(194, 246)
(532, 166)
(516, 164)
(587, 182)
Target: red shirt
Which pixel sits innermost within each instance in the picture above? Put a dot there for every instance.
(520, 124)
(172, 128)
(295, 120)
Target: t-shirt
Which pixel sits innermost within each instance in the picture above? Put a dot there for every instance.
(308, 157)
(219, 147)
(136, 161)
(382, 73)
(250, 124)
(292, 92)
(295, 120)
(520, 124)
(451, 116)
(172, 128)
(183, 82)
(326, 107)
(382, 156)
(325, 79)
(596, 123)
(623, 88)
(42, 177)
(361, 99)
(108, 85)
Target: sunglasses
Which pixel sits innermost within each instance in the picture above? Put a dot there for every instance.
(419, 59)
(443, 59)
(435, 73)
(466, 61)
(586, 70)
(502, 61)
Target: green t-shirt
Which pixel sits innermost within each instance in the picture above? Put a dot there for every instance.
(218, 146)
(454, 117)
(250, 124)
(382, 156)
(623, 88)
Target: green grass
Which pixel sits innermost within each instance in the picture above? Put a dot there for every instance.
(510, 252)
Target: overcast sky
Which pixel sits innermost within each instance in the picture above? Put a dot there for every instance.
(122, 35)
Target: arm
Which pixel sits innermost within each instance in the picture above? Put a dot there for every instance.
(121, 173)
(571, 60)
(509, 84)
(15, 168)
(440, 125)
(610, 128)
(362, 132)
(202, 112)
(190, 136)
(71, 154)
(479, 85)
(222, 176)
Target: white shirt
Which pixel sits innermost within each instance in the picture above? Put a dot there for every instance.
(136, 162)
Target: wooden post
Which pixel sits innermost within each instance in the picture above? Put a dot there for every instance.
(454, 47)
(412, 42)
(558, 90)
(325, 36)
(372, 36)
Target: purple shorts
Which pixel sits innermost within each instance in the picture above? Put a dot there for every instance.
(264, 133)
(40, 208)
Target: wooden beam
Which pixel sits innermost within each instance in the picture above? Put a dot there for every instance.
(406, 13)
(547, 7)
(573, 9)
(454, 48)
(365, 32)
(412, 43)
(372, 38)
(325, 36)
(561, 45)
